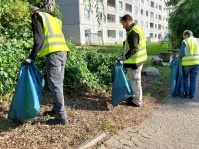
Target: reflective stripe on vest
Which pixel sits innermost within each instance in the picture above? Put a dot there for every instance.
(192, 52)
(140, 55)
(53, 37)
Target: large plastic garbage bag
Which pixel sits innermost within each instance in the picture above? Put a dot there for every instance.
(121, 88)
(176, 78)
(28, 94)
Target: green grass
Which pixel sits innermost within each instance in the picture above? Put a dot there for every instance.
(153, 48)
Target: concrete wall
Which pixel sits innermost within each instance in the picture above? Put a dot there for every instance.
(70, 18)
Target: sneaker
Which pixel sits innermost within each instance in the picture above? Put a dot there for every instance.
(56, 121)
(186, 95)
(191, 97)
(50, 113)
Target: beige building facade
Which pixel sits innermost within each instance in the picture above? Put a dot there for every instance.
(81, 24)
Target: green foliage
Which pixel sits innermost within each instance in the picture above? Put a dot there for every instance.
(101, 64)
(155, 48)
(88, 69)
(15, 15)
(184, 17)
(11, 56)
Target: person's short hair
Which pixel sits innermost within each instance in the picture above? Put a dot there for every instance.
(188, 33)
(33, 9)
(126, 17)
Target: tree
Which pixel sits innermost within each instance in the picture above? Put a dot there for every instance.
(185, 16)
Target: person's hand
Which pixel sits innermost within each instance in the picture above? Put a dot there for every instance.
(120, 61)
(27, 61)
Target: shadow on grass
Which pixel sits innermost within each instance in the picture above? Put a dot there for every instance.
(91, 104)
(81, 100)
(7, 125)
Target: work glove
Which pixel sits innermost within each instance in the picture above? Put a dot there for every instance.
(27, 61)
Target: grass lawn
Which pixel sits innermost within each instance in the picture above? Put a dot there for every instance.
(153, 48)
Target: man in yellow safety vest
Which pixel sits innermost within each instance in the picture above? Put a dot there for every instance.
(134, 57)
(49, 41)
(190, 62)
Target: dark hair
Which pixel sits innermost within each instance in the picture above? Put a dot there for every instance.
(126, 17)
(188, 33)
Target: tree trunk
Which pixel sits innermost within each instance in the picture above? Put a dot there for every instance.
(49, 4)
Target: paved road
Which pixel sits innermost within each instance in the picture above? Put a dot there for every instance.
(174, 125)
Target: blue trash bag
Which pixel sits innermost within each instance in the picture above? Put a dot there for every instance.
(176, 78)
(121, 88)
(28, 94)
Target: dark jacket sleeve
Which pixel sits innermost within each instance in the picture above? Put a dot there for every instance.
(133, 40)
(38, 35)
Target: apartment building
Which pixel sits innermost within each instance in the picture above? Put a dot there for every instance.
(81, 24)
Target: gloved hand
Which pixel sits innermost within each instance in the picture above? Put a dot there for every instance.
(27, 61)
(120, 61)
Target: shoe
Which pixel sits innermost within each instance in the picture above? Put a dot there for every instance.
(186, 95)
(191, 97)
(50, 113)
(129, 101)
(56, 121)
(134, 105)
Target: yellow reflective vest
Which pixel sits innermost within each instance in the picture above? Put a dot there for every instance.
(53, 37)
(192, 52)
(141, 54)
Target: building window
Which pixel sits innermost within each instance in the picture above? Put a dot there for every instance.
(100, 33)
(136, 10)
(159, 36)
(160, 7)
(151, 35)
(142, 11)
(156, 6)
(155, 25)
(128, 7)
(152, 4)
(159, 17)
(136, 21)
(142, 1)
(120, 5)
(87, 32)
(120, 34)
(111, 18)
(111, 33)
(147, 13)
(87, 14)
(111, 3)
(87, 35)
(151, 25)
(159, 26)
(99, 17)
(152, 15)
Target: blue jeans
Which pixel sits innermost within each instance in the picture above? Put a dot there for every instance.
(55, 65)
(190, 72)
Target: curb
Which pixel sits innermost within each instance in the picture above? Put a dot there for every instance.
(93, 141)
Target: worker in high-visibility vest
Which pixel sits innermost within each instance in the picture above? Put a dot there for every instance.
(190, 62)
(49, 41)
(134, 57)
